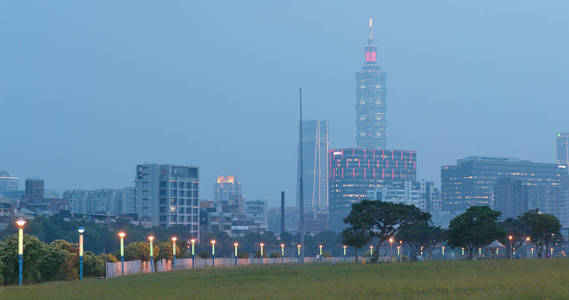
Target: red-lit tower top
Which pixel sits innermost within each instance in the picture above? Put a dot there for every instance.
(371, 49)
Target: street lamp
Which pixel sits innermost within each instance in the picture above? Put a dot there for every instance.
(399, 252)
(262, 245)
(20, 224)
(345, 249)
(371, 250)
(150, 240)
(121, 236)
(282, 252)
(443, 250)
(510, 251)
(390, 248)
(236, 244)
(462, 251)
(174, 253)
(320, 246)
(298, 246)
(81, 230)
(193, 241)
(213, 253)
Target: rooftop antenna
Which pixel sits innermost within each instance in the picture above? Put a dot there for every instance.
(370, 40)
(301, 186)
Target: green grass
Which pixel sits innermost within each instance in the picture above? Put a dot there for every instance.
(497, 279)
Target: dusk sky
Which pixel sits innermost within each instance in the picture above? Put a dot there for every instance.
(89, 89)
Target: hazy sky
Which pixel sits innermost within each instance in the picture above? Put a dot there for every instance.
(88, 89)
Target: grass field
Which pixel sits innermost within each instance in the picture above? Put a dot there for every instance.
(498, 279)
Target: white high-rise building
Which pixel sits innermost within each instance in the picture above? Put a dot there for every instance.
(168, 195)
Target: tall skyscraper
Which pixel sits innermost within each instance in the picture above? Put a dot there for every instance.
(353, 172)
(168, 195)
(562, 139)
(472, 180)
(315, 165)
(370, 100)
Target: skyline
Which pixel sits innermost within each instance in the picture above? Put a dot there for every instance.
(454, 91)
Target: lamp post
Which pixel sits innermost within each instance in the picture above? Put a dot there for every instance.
(236, 244)
(121, 236)
(510, 251)
(528, 240)
(298, 246)
(345, 250)
(320, 247)
(399, 252)
(262, 245)
(150, 240)
(193, 241)
(213, 253)
(174, 253)
(443, 250)
(282, 252)
(462, 251)
(391, 249)
(20, 224)
(81, 230)
(371, 250)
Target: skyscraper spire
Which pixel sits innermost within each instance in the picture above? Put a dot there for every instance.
(370, 40)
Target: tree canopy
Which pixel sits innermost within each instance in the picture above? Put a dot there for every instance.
(475, 228)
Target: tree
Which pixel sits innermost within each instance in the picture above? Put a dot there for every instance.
(355, 238)
(94, 266)
(381, 220)
(166, 250)
(140, 251)
(34, 252)
(544, 229)
(475, 228)
(421, 235)
(57, 264)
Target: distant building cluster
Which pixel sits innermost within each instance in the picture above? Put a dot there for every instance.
(334, 178)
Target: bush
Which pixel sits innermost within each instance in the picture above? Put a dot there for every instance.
(34, 252)
(243, 255)
(58, 263)
(93, 266)
(275, 255)
(108, 257)
(203, 255)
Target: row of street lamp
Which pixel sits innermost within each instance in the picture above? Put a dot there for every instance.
(81, 230)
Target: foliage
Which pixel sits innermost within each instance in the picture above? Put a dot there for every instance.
(108, 257)
(166, 250)
(34, 252)
(544, 228)
(421, 235)
(93, 266)
(140, 251)
(355, 238)
(275, 255)
(381, 220)
(56, 265)
(476, 227)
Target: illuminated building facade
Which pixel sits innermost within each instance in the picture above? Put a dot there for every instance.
(167, 195)
(562, 139)
(472, 180)
(354, 171)
(370, 100)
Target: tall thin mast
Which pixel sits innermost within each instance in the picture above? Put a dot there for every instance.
(301, 197)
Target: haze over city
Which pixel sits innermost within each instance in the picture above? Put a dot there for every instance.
(89, 90)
